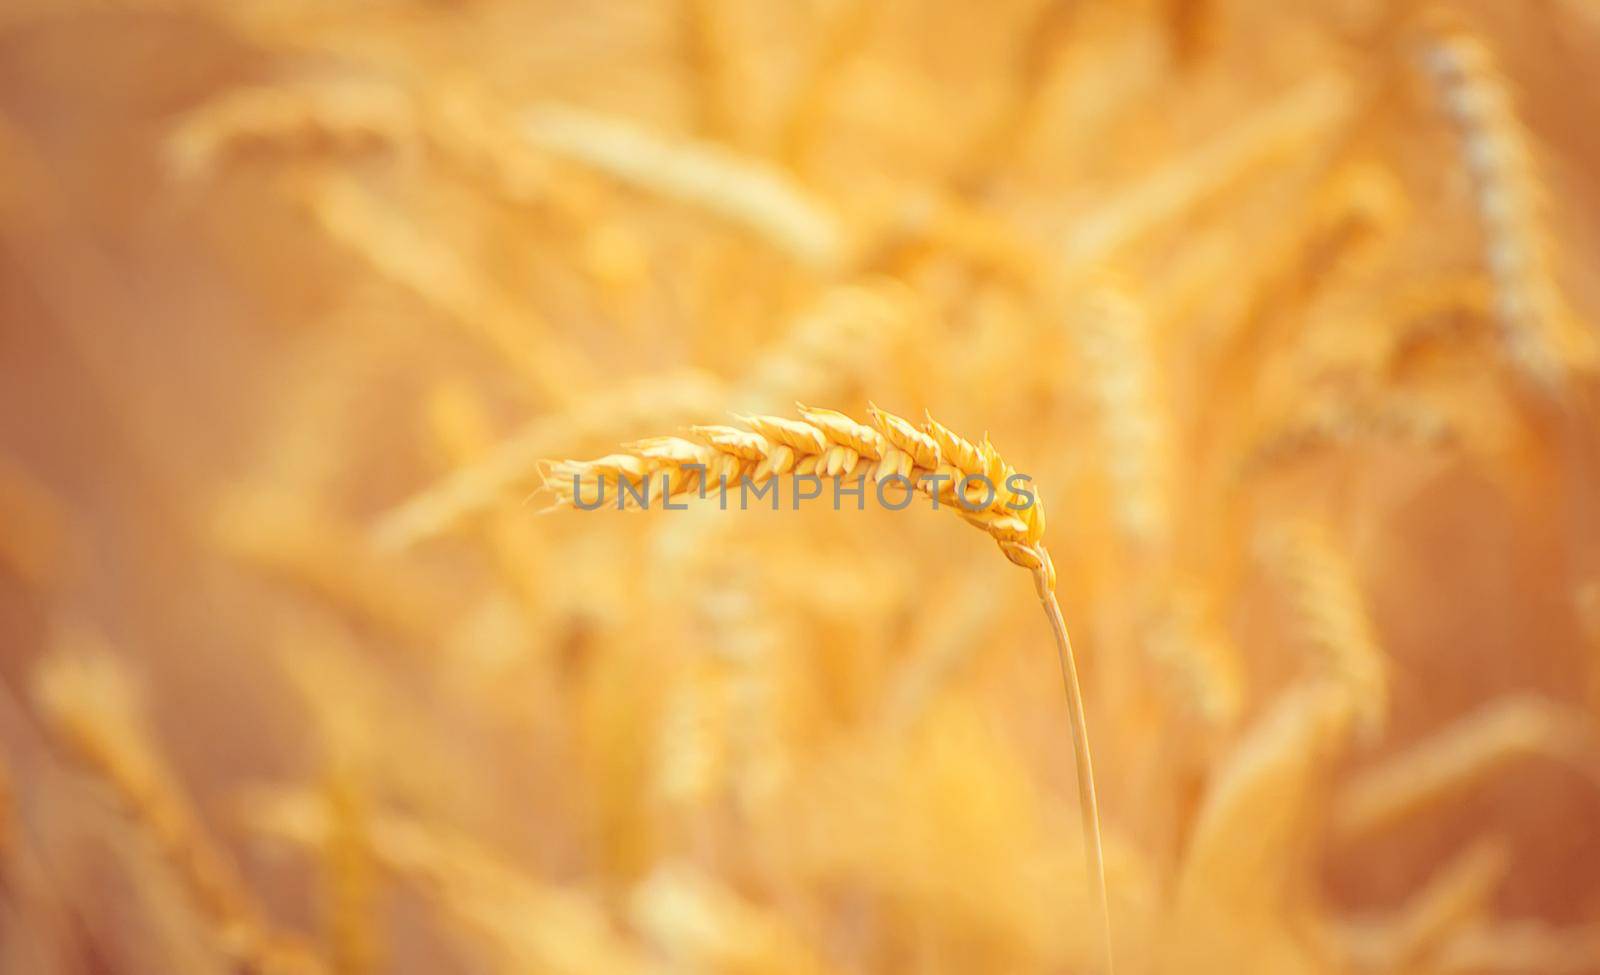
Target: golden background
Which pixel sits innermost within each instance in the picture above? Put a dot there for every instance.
(1286, 307)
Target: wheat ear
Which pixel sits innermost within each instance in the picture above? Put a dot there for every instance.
(1539, 331)
(825, 444)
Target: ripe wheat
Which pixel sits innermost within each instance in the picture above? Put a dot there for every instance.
(930, 459)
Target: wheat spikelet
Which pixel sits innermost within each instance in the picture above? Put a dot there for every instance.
(1464, 753)
(1543, 338)
(92, 704)
(1329, 603)
(742, 190)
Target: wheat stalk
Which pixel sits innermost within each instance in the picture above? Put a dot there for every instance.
(929, 459)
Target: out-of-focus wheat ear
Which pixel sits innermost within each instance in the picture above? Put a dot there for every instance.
(92, 706)
(1322, 583)
(337, 692)
(414, 261)
(1458, 894)
(1463, 754)
(1112, 334)
(1189, 642)
(1521, 946)
(526, 924)
(1320, 423)
(1542, 337)
(740, 189)
(1303, 116)
(332, 562)
(700, 925)
(1043, 48)
(294, 122)
(1246, 869)
(846, 28)
(515, 461)
(833, 348)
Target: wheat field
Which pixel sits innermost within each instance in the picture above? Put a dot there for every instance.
(320, 320)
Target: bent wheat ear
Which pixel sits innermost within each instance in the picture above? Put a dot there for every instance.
(828, 444)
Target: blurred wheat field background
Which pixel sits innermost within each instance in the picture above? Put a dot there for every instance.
(1288, 309)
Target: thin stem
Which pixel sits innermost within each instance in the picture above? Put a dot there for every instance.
(1088, 807)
